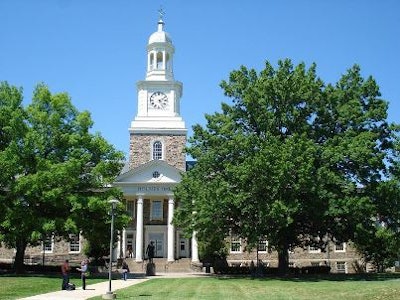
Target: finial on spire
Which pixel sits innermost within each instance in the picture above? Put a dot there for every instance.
(161, 13)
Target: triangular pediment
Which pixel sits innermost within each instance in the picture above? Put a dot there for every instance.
(147, 173)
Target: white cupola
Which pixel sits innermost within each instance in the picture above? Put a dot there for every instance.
(159, 95)
(159, 54)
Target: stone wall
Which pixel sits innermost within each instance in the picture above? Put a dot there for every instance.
(140, 149)
(303, 257)
(34, 255)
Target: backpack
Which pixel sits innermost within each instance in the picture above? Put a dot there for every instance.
(70, 287)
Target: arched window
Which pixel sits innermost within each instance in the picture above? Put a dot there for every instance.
(151, 61)
(159, 60)
(157, 150)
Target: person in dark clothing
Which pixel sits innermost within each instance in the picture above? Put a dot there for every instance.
(150, 251)
(125, 270)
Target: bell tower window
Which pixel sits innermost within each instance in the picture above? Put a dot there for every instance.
(167, 61)
(151, 61)
(157, 150)
(159, 60)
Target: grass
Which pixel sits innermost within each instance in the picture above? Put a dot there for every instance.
(14, 287)
(350, 288)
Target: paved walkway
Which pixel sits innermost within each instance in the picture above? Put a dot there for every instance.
(101, 288)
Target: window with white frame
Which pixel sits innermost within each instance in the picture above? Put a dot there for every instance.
(315, 263)
(157, 210)
(341, 267)
(130, 208)
(48, 243)
(262, 246)
(236, 245)
(74, 243)
(314, 249)
(340, 247)
(157, 150)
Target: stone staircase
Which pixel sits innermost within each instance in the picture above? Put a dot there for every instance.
(181, 265)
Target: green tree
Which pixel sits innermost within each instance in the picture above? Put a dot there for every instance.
(60, 184)
(379, 241)
(292, 159)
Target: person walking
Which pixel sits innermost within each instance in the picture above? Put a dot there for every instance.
(65, 268)
(130, 251)
(83, 269)
(125, 270)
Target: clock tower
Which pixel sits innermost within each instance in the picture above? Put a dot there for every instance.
(158, 131)
(156, 159)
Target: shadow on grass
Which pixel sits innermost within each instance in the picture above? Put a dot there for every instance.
(316, 278)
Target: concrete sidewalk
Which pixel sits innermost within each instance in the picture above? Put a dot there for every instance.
(101, 288)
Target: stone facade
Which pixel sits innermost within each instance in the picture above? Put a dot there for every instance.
(340, 261)
(140, 149)
(60, 251)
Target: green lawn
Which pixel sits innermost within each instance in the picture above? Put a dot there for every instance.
(246, 288)
(307, 288)
(13, 287)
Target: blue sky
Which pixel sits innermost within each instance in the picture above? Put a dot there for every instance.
(96, 50)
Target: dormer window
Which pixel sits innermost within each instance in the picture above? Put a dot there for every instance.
(157, 150)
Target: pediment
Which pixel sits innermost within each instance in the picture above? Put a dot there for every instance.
(146, 174)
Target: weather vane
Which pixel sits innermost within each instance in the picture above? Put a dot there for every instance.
(161, 12)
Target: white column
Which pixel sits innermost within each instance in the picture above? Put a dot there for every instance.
(139, 229)
(124, 243)
(119, 245)
(195, 248)
(171, 234)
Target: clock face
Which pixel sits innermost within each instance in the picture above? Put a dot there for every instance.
(159, 100)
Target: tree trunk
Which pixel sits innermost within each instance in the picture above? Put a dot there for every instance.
(19, 257)
(283, 259)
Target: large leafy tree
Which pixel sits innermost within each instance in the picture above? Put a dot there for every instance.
(58, 171)
(291, 160)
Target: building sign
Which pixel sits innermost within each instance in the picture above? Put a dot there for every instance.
(153, 188)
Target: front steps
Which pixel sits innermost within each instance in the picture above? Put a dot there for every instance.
(182, 265)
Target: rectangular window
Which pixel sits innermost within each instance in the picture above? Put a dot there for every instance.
(236, 245)
(341, 267)
(157, 210)
(340, 247)
(315, 263)
(48, 244)
(130, 208)
(313, 249)
(74, 243)
(262, 246)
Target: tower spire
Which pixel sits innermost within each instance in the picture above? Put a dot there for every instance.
(161, 14)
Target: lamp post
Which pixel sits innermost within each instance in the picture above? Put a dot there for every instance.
(109, 294)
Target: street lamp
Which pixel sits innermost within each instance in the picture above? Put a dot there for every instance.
(109, 294)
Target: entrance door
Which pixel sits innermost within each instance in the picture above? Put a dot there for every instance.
(158, 239)
(130, 245)
(183, 247)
